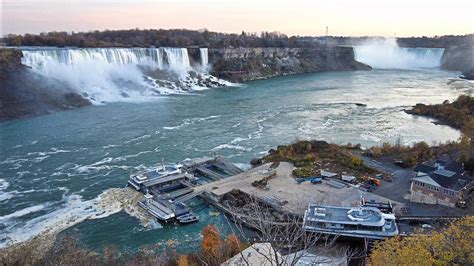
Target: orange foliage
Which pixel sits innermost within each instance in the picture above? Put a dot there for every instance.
(211, 241)
(232, 245)
(183, 260)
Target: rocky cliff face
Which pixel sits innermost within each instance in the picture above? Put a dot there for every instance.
(10, 61)
(459, 58)
(23, 93)
(244, 64)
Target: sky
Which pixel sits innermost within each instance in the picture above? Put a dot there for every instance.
(294, 17)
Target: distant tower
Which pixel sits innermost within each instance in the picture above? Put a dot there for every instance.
(327, 31)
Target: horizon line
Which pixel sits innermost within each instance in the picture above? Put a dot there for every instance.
(237, 33)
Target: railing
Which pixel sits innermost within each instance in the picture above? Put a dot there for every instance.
(428, 218)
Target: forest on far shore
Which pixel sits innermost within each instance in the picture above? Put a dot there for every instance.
(205, 38)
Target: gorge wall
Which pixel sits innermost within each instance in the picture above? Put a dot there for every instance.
(24, 93)
(244, 64)
(459, 58)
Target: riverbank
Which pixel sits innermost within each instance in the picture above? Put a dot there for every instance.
(458, 114)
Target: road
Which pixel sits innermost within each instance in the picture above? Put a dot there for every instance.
(399, 188)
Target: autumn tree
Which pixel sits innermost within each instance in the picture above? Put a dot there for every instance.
(211, 241)
(183, 260)
(232, 245)
(452, 246)
(216, 250)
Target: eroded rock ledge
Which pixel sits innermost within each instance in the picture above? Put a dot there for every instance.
(244, 64)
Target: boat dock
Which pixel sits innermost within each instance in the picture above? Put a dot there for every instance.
(167, 188)
(209, 173)
(165, 180)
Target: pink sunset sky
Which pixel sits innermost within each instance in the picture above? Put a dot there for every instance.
(296, 17)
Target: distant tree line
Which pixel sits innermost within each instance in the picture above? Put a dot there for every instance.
(205, 38)
(158, 38)
(437, 41)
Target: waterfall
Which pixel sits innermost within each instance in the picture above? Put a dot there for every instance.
(115, 74)
(157, 56)
(203, 52)
(178, 59)
(386, 54)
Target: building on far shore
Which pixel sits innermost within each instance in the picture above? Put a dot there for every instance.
(438, 182)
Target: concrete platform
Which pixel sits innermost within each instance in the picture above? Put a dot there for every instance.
(284, 191)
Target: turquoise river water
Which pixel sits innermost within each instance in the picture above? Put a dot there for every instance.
(54, 167)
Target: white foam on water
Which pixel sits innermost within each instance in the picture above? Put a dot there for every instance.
(232, 147)
(370, 136)
(240, 139)
(73, 211)
(110, 146)
(125, 157)
(185, 123)
(191, 121)
(3, 184)
(137, 139)
(50, 152)
(106, 163)
(23, 212)
(200, 119)
(4, 196)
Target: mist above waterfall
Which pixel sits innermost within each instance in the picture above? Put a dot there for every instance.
(118, 74)
(384, 53)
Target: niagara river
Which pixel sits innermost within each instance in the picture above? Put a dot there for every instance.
(54, 168)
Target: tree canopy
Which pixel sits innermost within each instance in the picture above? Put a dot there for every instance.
(205, 38)
(452, 246)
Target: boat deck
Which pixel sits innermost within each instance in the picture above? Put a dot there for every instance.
(166, 179)
(370, 216)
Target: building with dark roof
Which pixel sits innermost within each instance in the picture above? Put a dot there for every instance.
(438, 182)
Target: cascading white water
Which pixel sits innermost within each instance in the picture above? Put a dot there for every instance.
(178, 59)
(386, 54)
(117, 74)
(203, 53)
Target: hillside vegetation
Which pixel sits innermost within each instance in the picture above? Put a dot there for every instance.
(311, 156)
(458, 114)
(452, 246)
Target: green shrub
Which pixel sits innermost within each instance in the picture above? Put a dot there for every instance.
(302, 171)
